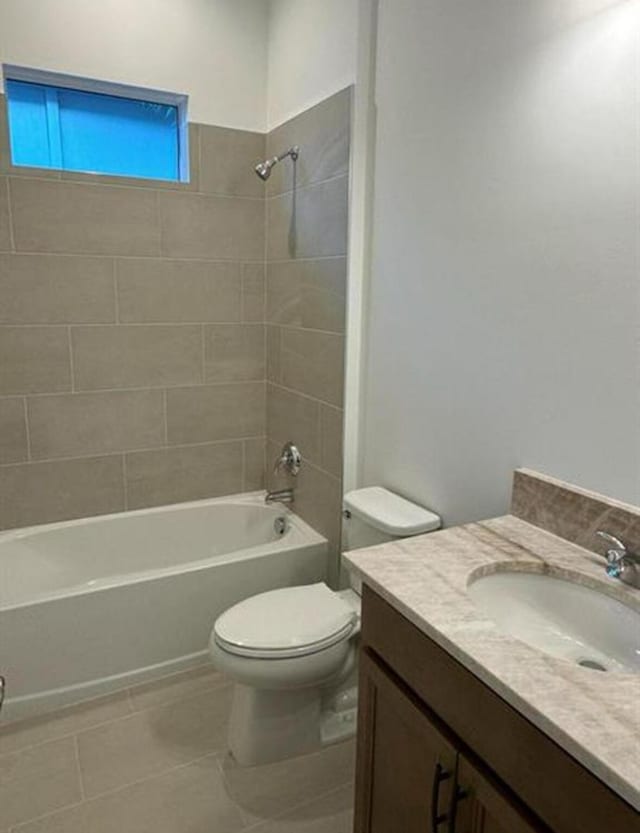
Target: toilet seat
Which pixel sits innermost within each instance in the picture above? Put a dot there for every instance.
(286, 623)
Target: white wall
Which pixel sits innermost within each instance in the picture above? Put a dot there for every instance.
(213, 50)
(312, 53)
(505, 306)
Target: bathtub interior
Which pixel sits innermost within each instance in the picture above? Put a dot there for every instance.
(72, 556)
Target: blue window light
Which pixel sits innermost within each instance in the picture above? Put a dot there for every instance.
(95, 127)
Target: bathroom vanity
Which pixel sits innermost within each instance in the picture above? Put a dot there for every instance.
(464, 728)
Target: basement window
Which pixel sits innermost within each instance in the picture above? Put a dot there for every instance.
(72, 124)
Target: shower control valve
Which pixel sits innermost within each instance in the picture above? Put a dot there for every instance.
(290, 460)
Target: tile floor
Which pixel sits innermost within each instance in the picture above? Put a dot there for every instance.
(152, 759)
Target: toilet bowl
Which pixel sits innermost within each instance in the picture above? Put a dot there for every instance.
(292, 652)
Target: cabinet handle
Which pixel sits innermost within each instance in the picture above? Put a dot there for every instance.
(458, 795)
(439, 775)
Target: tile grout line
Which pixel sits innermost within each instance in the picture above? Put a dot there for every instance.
(125, 485)
(139, 389)
(27, 429)
(243, 473)
(128, 186)
(12, 236)
(303, 395)
(165, 396)
(103, 455)
(76, 747)
(111, 324)
(158, 213)
(173, 258)
(71, 362)
(116, 301)
(309, 185)
(203, 356)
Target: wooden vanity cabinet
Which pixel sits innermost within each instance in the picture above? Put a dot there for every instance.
(439, 752)
(413, 778)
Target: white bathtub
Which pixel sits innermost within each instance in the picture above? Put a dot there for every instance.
(94, 605)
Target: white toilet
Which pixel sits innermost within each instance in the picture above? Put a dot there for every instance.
(292, 652)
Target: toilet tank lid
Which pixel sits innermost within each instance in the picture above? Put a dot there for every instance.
(390, 513)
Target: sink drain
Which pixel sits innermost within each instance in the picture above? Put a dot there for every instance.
(593, 664)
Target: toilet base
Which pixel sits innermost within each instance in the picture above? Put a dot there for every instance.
(267, 726)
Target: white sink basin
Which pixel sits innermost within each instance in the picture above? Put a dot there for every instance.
(562, 618)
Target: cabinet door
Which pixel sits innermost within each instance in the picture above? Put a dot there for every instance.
(486, 807)
(406, 767)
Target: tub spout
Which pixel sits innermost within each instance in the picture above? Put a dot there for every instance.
(279, 496)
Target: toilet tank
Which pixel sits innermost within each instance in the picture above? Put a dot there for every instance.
(374, 515)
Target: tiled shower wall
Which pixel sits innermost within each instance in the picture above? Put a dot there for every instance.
(307, 225)
(132, 349)
(132, 327)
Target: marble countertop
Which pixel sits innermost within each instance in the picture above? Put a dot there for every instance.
(594, 716)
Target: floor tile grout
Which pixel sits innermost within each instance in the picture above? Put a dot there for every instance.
(79, 768)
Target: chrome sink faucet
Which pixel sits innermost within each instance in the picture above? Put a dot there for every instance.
(621, 563)
(289, 461)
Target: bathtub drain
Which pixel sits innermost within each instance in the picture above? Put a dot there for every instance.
(280, 525)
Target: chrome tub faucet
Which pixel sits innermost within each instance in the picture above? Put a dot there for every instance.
(279, 496)
(289, 461)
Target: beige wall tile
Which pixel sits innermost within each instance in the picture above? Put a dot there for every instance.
(264, 792)
(38, 781)
(5, 229)
(319, 501)
(228, 158)
(313, 363)
(34, 359)
(253, 292)
(129, 356)
(34, 493)
(254, 464)
(217, 412)
(151, 742)
(155, 478)
(25, 733)
(55, 289)
(79, 424)
(308, 293)
(191, 799)
(13, 431)
(155, 290)
(331, 433)
(322, 132)
(212, 227)
(234, 352)
(67, 217)
(295, 418)
(309, 222)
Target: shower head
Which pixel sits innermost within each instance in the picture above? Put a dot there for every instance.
(263, 169)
